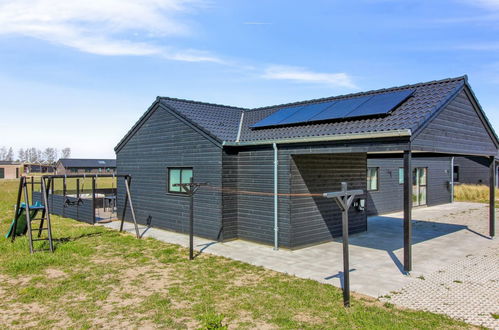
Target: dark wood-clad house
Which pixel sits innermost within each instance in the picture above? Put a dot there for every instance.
(397, 144)
(79, 166)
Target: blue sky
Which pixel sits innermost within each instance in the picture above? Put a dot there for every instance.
(80, 73)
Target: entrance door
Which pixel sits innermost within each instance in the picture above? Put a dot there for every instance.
(419, 182)
(2, 173)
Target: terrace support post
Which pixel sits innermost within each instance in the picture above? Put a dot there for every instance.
(492, 198)
(93, 199)
(407, 210)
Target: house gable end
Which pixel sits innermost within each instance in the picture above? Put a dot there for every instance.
(460, 127)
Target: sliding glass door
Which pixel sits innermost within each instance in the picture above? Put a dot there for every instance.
(419, 183)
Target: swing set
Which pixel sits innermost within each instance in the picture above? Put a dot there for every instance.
(28, 206)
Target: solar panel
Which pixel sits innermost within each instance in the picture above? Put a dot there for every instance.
(380, 104)
(340, 109)
(278, 116)
(362, 106)
(307, 112)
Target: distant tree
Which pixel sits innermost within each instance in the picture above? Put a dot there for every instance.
(10, 155)
(66, 152)
(3, 153)
(49, 155)
(21, 155)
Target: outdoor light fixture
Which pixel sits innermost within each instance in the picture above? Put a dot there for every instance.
(360, 204)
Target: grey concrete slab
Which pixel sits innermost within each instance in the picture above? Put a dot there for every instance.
(442, 235)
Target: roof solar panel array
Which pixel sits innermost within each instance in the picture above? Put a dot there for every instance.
(362, 106)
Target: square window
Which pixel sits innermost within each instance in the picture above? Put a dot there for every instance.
(176, 176)
(372, 178)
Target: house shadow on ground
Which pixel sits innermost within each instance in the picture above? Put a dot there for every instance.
(387, 234)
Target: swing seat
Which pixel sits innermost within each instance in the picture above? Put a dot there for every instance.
(69, 202)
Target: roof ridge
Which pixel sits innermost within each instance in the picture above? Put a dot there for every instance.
(432, 82)
(201, 102)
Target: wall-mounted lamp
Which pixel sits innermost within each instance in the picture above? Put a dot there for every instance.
(360, 204)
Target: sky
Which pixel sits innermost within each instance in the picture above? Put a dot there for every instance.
(79, 74)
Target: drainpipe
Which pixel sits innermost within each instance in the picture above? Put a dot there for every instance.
(452, 179)
(276, 212)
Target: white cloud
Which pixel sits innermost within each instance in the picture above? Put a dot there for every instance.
(103, 27)
(298, 74)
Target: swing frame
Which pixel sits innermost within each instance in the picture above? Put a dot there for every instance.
(128, 199)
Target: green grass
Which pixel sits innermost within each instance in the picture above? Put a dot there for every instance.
(99, 277)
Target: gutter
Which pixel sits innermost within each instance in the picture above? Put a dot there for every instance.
(276, 199)
(240, 127)
(324, 138)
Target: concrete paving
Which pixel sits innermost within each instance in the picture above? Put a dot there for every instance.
(442, 236)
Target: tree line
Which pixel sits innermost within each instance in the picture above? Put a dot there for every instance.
(34, 155)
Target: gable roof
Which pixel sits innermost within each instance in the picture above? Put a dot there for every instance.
(87, 163)
(232, 125)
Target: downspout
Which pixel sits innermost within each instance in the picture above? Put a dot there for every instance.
(452, 179)
(276, 202)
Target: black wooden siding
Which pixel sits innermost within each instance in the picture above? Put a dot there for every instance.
(473, 170)
(316, 219)
(389, 197)
(256, 212)
(230, 186)
(164, 141)
(456, 129)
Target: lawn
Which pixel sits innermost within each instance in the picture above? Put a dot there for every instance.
(98, 277)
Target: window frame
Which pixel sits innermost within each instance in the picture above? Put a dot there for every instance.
(377, 178)
(181, 168)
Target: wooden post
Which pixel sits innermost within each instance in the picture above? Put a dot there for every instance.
(407, 211)
(346, 258)
(492, 197)
(344, 199)
(22, 182)
(128, 181)
(93, 199)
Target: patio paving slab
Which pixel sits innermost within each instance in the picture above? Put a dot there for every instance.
(445, 238)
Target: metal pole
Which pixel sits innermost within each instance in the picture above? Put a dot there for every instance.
(492, 198)
(407, 211)
(346, 261)
(191, 221)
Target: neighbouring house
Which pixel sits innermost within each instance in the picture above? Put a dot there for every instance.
(78, 166)
(10, 169)
(38, 168)
(400, 145)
